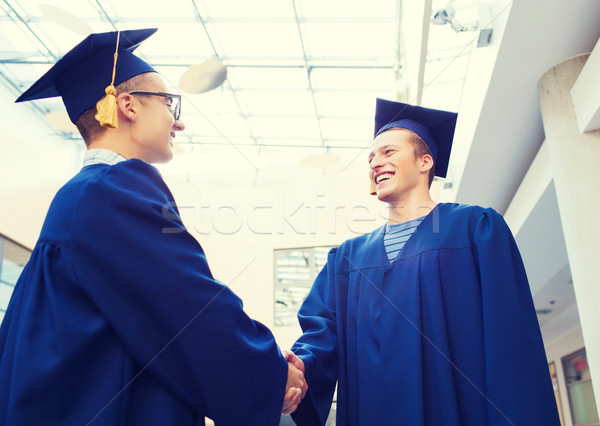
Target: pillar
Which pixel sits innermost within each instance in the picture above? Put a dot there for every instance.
(575, 163)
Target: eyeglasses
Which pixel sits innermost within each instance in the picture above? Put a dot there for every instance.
(174, 100)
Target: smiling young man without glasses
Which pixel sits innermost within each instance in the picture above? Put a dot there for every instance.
(427, 320)
(114, 321)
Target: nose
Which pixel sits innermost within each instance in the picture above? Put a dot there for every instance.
(375, 162)
(178, 125)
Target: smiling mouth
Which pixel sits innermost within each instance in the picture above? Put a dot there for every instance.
(382, 177)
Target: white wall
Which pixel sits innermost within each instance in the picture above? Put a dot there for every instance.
(34, 163)
(240, 224)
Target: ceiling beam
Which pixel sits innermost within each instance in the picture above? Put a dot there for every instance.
(423, 56)
(308, 68)
(218, 56)
(413, 40)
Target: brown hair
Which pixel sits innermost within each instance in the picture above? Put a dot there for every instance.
(421, 148)
(89, 128)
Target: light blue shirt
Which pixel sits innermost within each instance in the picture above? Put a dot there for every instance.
(396, 236)
(102, 156)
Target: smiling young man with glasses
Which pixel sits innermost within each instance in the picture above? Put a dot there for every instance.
(113, 320)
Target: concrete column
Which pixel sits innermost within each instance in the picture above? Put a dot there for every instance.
(575, 164)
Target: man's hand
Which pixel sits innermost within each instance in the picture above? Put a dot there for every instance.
(299, 364)
(293, 390)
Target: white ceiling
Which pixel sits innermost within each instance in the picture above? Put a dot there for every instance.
(301, 73)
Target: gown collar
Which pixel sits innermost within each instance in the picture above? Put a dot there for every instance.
(372, 254)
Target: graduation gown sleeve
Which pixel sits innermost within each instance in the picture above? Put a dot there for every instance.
(518, 386)
(318, 347)
(149, 278)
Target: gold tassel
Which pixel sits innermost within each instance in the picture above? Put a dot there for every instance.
(372, 190)
(107, 106)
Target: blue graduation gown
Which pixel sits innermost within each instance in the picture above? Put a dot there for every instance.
(445, 335)
(116, 319)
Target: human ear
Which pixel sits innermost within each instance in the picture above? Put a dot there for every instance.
(426, 162)
(127, 106)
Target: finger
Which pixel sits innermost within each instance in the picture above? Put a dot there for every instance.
(296, 361)
(295, 376)
(304, 390)
(290, 393)
(291, 404)
(295, 401)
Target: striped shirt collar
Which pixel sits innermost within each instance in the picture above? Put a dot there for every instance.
(397, 227)
(102, 156)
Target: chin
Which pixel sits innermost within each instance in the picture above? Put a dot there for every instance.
(166, 158)
(382, 196)
(162, 157)
(386, 197)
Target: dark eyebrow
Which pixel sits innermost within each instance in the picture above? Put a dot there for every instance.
(380, 149)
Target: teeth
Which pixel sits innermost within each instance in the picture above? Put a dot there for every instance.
(384, 177)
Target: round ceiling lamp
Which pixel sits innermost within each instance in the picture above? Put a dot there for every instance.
(65, 19)
(60, 120)
(320, 160)
(203, 77)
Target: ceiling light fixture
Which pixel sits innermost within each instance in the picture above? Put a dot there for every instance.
(60, 120)
(447, 15)
(65, 19)
(203, 77)
(320, 160)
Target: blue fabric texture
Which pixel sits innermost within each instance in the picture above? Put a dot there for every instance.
(117, 319)
(445, 335)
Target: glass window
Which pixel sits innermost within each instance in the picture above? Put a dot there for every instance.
(579, 389)
(13, 258)
(295, 272)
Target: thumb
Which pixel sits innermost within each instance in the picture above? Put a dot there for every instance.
(296, 361)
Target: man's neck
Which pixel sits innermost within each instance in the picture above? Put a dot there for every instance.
(114, 144)
(413, 206)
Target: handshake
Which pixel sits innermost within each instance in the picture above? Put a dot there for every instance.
(296, 387)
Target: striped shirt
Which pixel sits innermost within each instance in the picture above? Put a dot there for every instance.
(102, 156)
(397, 235)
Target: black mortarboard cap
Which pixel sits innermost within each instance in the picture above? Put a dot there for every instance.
(435, 127)
(82, 75)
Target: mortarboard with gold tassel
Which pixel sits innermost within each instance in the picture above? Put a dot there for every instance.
(80, 77)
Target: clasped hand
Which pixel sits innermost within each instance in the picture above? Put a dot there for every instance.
(296, 384)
